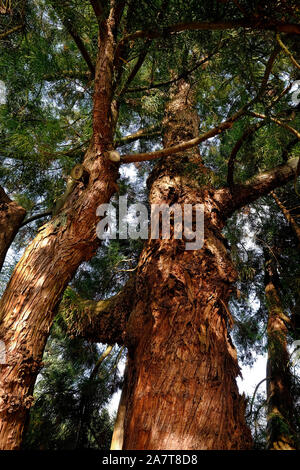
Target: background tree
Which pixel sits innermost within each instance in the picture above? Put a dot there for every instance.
(71, 395)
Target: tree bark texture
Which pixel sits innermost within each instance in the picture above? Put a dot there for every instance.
(29, 303)
(182, 365)
(11, 217)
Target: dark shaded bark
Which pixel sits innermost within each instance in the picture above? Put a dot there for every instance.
(295, 318)
(280, 407)
(11, 218)
(182, 366)
(99, 321)
(288, 217)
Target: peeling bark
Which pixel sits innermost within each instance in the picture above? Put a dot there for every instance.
(182, 366)
(29, 303)
(11, 218)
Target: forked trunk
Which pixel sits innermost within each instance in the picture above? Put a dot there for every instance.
(182, 365)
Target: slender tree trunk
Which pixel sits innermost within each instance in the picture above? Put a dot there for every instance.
(289, 218)
(29, 303)
(295, 318)
(182, 365)
(118, 434)
(280, 411)
(11, 217)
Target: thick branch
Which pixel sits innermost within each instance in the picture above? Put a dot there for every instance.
(103, 321)
(289, 28)
(258, 186)
(11, 217)
(165, 152)
(98, 9)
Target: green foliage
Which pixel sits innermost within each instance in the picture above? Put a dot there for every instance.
(70, 407)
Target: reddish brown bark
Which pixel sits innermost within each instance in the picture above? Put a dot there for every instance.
(11, 217)
(281, 412)
(182, 366)
(39, 279)
(180, 383)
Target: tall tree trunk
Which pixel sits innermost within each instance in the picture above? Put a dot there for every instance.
(182, 365)
(29, 303)
(295, 319)
(11, 217)
(288, 217)
(280, 409)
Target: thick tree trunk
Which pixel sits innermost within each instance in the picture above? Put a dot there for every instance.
(28, 305)
(280, 413)
(182, 366)
(11, 217)
(39, 279)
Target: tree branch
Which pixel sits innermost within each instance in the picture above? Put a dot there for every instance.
(11, 217)
(248, 132)
(146, 133)
(277, 121)
(290, 28)
(139, 157)
(289, 218)
(165, 152)
(286, 50)
(253, 189)
(103, 321)
(10, 31)
(98, 9)
(36, 217)
(79, 43)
